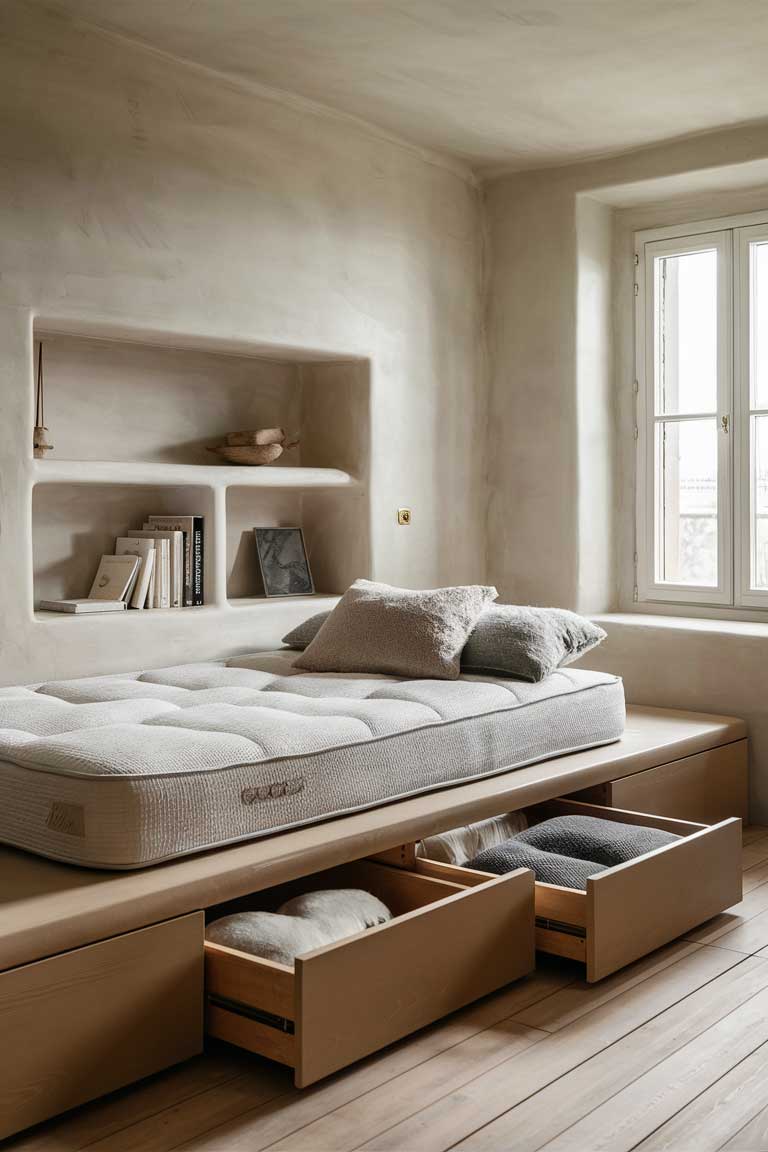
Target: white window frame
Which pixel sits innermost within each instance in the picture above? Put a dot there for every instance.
(731, 237)
(743, 411)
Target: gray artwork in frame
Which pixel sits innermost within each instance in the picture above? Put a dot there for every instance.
(283, 562)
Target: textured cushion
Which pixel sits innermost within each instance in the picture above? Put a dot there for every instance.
(302, 924)
(352, 909)
(589, 838)
(303, 634)
(529, 643)
(548, 867)
(377, 628)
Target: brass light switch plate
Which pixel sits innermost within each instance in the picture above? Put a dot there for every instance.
(403, 515)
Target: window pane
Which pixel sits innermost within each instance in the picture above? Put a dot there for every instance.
(686, 333)
(758, 323)
(759, 566)
(686, 502)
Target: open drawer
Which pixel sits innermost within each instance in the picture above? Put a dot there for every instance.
(629, 910)
(447, 944)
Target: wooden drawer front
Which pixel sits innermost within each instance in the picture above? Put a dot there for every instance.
(447, 945)
(86, 1022)
(707, 787)
(628, 911)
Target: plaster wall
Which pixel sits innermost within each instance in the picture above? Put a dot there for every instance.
(574, 303)
(151, 196)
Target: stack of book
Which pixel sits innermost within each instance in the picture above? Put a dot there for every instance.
(159, 565)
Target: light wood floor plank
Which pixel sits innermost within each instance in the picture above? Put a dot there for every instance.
(168, 1129)
(754, 877)
(753, 1137)
(260, 1127)
(565, 1103)
(719, 1114)
(75, 1130)
(457, 1116)
(748, 937)
(567, 1005)
(659, 1094)
(754, 903)
(345, 1128)
(755, 853)
(752, 832)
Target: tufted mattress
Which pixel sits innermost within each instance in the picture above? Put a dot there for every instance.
(129, 770)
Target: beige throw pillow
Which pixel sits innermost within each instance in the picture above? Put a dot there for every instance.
(377, 628)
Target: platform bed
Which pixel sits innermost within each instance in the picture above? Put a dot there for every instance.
(64, 930)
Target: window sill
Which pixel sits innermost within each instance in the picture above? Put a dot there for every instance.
(695, 624)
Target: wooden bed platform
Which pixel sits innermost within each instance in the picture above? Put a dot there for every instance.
(47, 908)
(104, 976)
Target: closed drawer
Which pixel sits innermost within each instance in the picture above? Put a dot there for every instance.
(628, 911)
(91, 1020)
(448, 944)
(706, 787)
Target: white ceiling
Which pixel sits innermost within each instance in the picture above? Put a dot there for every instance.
(498, 83)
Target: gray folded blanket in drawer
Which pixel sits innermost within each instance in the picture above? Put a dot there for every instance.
(609, 842)
(566, 850)
(548, 867)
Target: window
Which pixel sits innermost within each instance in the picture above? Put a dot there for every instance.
(702, 414)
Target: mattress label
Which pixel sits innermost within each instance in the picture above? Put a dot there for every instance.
(261, 792)
(66, 818)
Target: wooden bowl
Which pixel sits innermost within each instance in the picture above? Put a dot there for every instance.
(249, 454)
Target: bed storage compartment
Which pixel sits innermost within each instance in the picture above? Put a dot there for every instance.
(631, 909)
(447, 944)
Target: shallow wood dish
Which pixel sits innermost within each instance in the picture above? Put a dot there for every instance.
(256, 438)
(259, 446)
(249, 454)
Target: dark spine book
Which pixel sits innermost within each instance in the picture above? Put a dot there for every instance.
(198, 556)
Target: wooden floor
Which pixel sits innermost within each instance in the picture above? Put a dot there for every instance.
(671, 1053)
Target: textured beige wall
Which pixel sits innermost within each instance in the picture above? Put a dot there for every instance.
(549, 444)
(149, 194)
(561, 374)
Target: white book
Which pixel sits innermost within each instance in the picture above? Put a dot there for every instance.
(151, 590)
(145, 550)
(193, 529)
(82, 607)
(113, 577)
(176, 552)
(162, 570)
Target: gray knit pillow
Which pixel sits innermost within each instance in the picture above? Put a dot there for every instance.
(303, 634)
(528, 643)
(609, 842)
(547, 866)
(377, 628)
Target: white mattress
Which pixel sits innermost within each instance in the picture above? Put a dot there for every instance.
(129, 770)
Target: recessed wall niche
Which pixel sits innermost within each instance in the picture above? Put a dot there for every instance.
(131, 423)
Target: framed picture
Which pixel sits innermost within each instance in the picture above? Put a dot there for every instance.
(283, 562)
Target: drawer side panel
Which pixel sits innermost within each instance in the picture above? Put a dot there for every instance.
(354, 999)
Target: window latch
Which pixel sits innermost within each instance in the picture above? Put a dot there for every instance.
(725, 421)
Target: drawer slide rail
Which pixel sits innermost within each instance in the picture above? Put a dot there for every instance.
(280, 1023)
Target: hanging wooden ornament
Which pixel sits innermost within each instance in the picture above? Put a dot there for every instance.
(40, 438)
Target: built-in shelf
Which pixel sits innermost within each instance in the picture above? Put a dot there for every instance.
(319, 600)
(129, 613)
(200, 475)
(132, 425)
